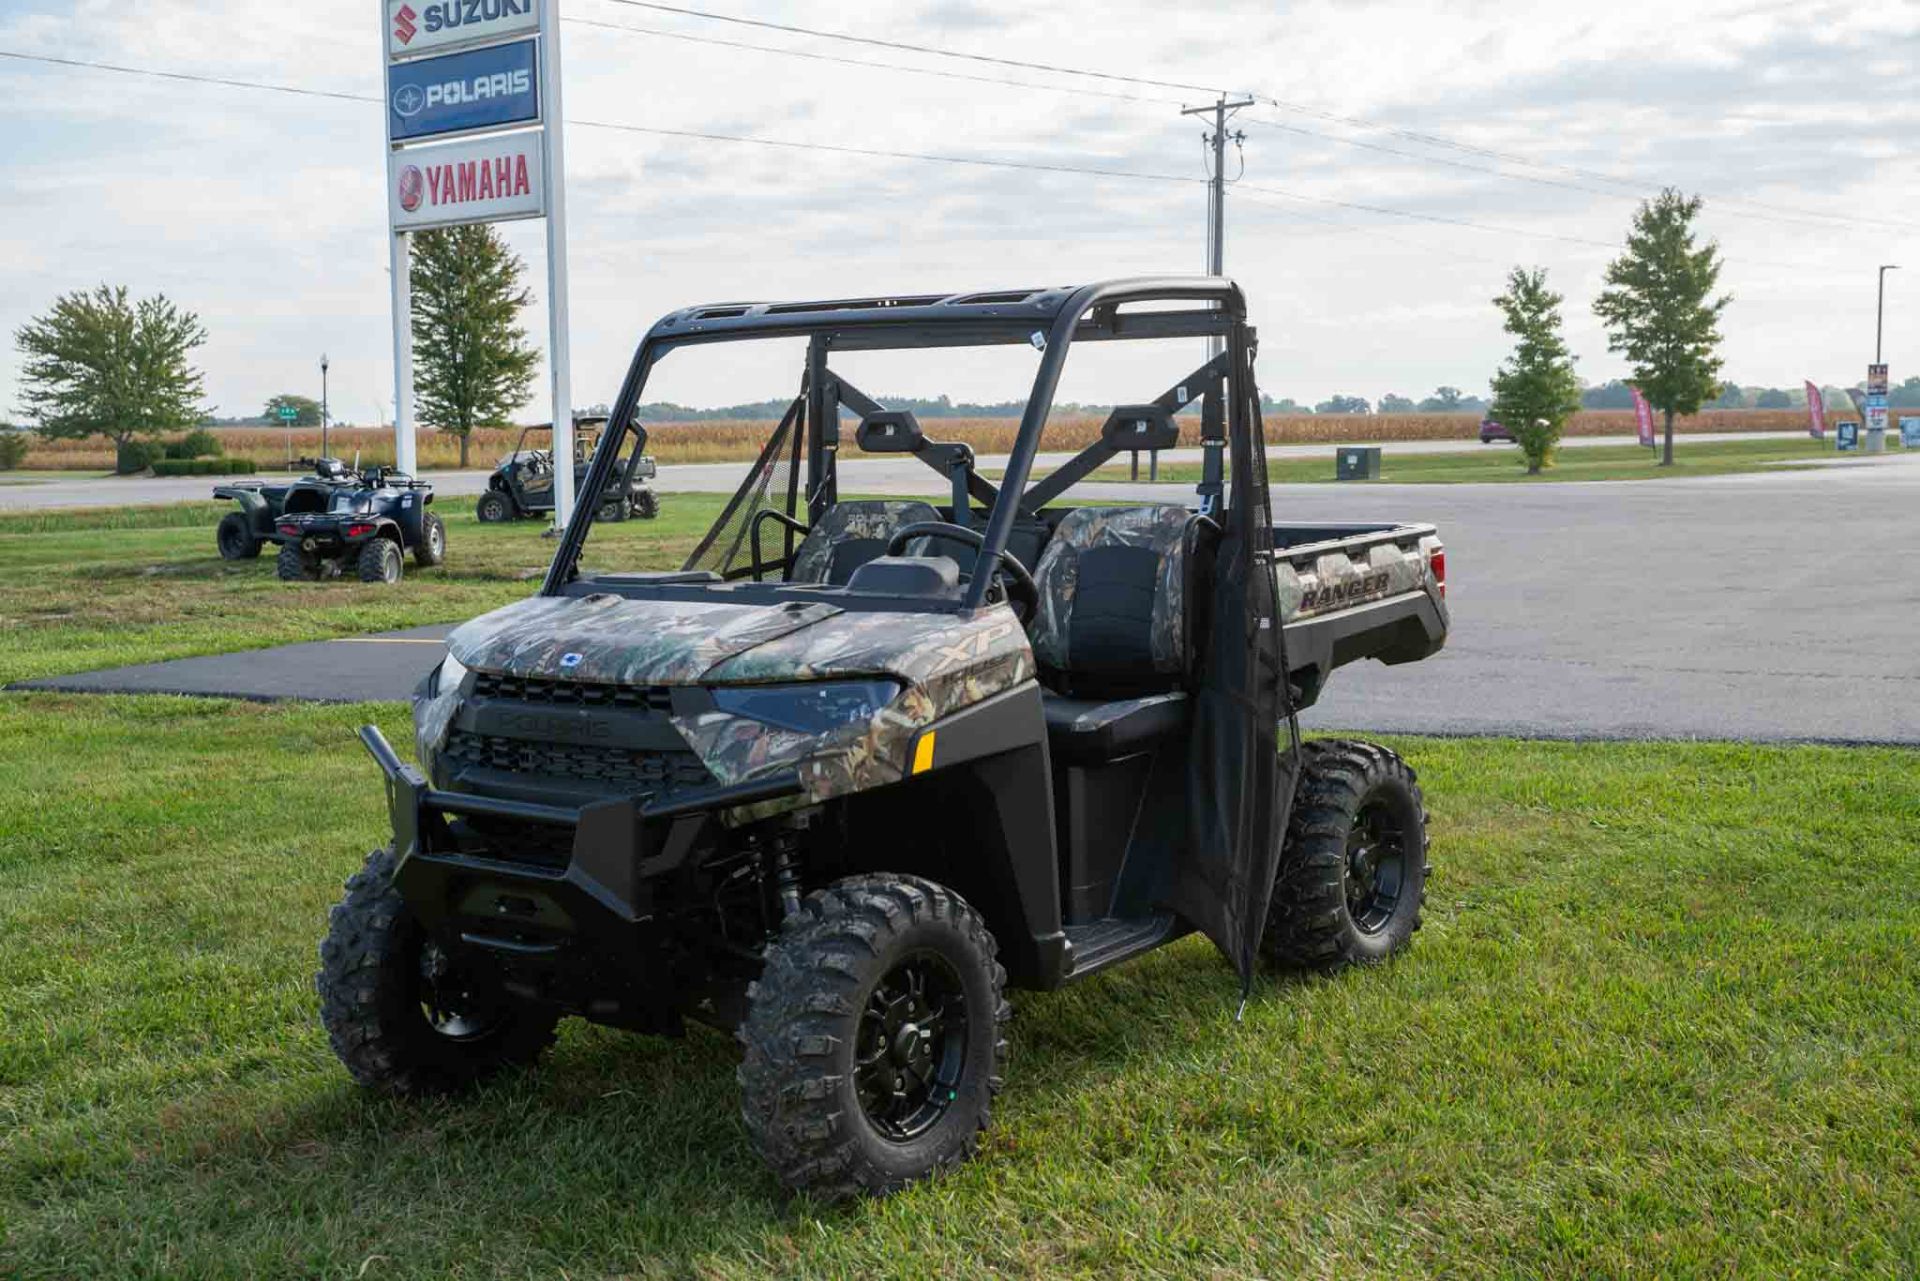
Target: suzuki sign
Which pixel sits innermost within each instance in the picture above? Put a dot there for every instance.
(490, 88)
(434, 26)
(482, 180)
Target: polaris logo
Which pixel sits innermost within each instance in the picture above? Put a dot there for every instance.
(410, 100)
(1350, 592)
(554, 727)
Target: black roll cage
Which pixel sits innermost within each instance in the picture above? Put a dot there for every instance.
(1051, 320)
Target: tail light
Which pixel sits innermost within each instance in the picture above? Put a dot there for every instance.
(1437, 567)
(359, 531)
(290, 529)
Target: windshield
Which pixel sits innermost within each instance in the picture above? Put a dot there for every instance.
(842, 458)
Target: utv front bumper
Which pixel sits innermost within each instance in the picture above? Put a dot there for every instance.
(576, 934)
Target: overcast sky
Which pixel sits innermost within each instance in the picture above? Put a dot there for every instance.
(264, 212)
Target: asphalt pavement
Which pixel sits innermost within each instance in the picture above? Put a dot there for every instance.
(1771, 606)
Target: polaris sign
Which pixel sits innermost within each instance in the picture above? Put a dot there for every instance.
(460, 92)
(434, 26)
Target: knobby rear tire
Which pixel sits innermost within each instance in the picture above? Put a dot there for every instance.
(294, 566)
(1310, 922)
(379, 561)
(235, 538)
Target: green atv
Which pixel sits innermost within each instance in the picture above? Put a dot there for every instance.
(862, 766)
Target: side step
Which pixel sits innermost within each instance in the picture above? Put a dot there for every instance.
(1096, 945)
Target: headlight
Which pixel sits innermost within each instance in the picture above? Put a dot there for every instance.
(447, 676)
(811, 708)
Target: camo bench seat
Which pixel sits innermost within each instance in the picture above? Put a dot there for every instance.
(849, 535)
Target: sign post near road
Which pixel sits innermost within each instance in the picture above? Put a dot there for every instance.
(1876, 405)
(473, 135)
(287, 416)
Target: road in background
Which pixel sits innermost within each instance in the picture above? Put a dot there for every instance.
(1760, 606)
(879, 474)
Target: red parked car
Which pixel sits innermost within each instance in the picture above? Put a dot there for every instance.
(1491, 431)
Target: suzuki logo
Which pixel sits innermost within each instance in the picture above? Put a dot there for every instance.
(409, 99)
(403, 24)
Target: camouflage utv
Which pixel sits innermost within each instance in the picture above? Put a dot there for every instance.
(861, 766)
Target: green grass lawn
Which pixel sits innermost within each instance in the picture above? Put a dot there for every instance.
(1662, 1021)
(19, 477)
(1407, 465)
(102, 587)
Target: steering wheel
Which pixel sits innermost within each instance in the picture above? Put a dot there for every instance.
(1018, 583)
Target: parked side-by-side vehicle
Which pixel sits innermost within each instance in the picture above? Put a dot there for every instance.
(863, 765)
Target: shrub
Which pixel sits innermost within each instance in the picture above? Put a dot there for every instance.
(13, 448)
(198, 443)
(135, 456)
(202, 467)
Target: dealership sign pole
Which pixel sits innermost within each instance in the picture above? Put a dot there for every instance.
(473, 109)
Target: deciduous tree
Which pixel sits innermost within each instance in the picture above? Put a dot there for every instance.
(1535, 389)
(100, 364)
(472, 364)
(1660, 310)
(306, 409)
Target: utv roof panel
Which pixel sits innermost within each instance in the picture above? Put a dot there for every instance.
(978, 316)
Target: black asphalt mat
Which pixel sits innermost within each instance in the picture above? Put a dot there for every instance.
(362, 669)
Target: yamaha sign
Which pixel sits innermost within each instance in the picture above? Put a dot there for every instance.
(475, 180)
(435, 26)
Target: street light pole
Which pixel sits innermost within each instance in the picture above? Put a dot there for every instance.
(323, 404)
(1880, 308)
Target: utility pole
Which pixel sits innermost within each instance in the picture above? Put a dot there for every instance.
(1217, 188)
(1880, 308)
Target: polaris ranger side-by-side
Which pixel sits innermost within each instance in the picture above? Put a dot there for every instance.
(521, 485)
(860, 766)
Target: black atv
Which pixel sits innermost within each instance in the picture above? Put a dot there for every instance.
(334, 521)
(860, 766)
(521, 486)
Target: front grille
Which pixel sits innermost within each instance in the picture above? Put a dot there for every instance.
(616, 770)
(515, 840)
(572, 693)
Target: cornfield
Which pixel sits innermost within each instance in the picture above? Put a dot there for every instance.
(738, 440)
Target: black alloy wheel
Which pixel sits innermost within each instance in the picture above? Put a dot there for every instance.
(1376, 867)
(912, 1046)
(1353, 870)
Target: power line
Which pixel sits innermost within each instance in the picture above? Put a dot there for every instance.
(982, 162)
(1110, 94)
(1029, 166)
(1829, 221)
(906, 47)
(296, 90)
(1638, 187)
